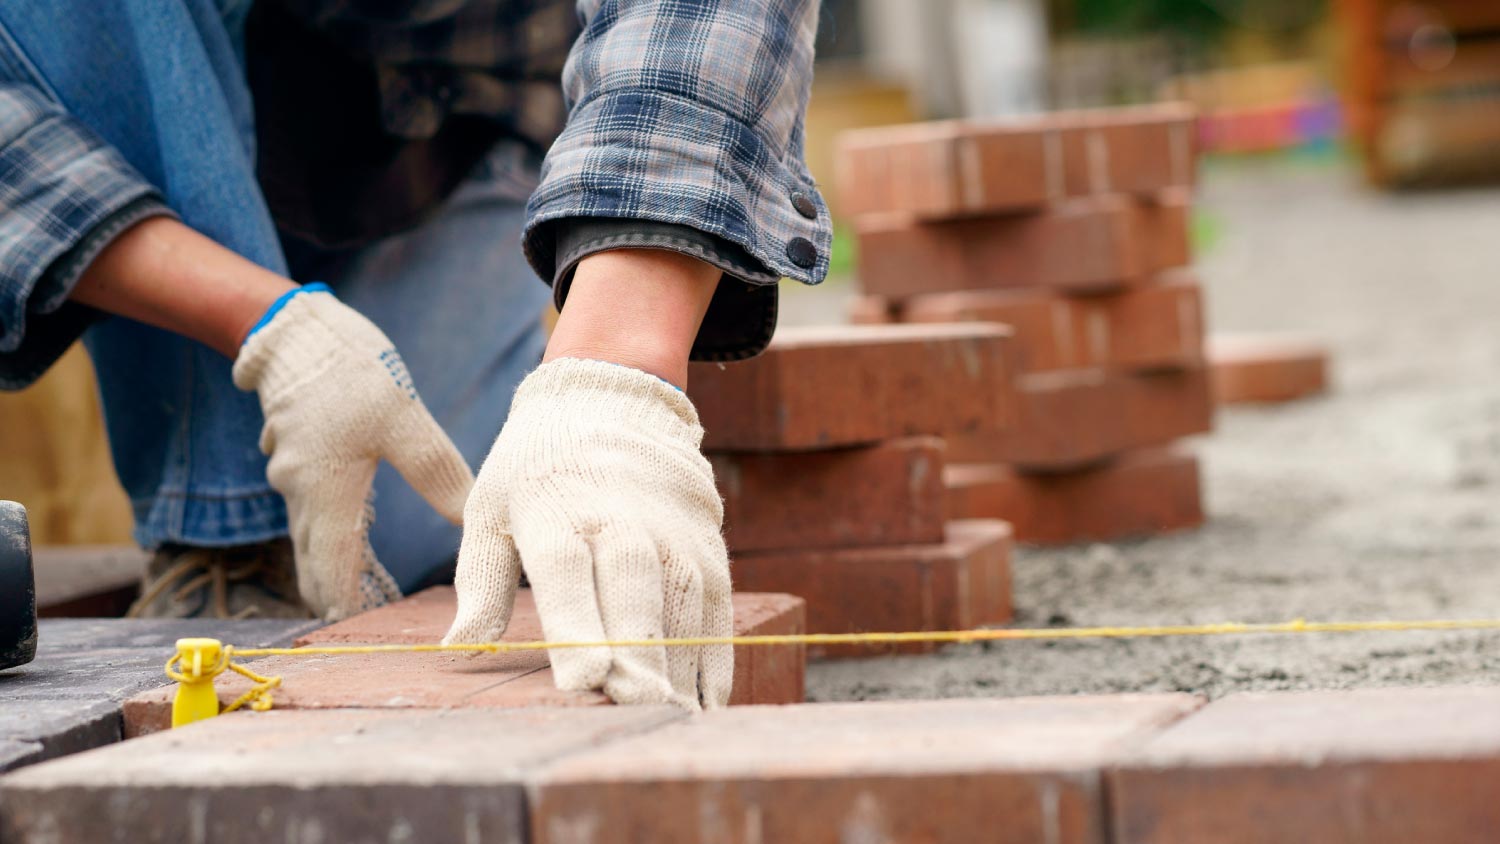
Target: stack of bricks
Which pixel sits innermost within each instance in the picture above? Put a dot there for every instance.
(1073, 230)
(827, 454)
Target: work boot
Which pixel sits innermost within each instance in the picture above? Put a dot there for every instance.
(246, 581)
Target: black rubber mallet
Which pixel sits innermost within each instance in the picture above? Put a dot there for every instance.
(17, 588)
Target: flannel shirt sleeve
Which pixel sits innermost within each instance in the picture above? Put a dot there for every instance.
(691, 114)
(64, 196)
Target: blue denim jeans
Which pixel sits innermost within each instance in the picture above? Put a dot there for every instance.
(162, 80)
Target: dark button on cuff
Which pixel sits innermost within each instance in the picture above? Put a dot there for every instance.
(804, 205)
(802, 252)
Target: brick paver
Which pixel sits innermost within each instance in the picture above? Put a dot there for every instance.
(1150, 327)
(961, 168)
(1072, 419)
(1374, 766)
(1001, 771)
(957, 584)
(819, 388)
(1140, 493)
(1082, 245)
(886, 494)
(1260, 368)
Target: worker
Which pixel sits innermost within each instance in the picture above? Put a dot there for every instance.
(176, 174)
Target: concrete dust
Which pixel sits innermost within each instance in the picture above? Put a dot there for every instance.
(1378, 501)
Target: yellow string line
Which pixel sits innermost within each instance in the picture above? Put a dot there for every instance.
(259, 697)
(939, 636)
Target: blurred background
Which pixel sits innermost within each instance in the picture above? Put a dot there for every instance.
(1405, 93)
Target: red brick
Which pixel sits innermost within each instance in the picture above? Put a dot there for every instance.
(818, 388)
(1374, 766)
(1151, 327)
(1081, 245)
(885, 494)
(1075, 418)
(964, 168)
(1129, 150)
(1003, 771)
(958, 584)
(769, 674)
(421, 618)
(1266, 368)
(444, 680)
(946, 168)
(1164, 226)
(1139, 493)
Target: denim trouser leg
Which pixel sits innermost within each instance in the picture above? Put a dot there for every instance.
(161, 81)
(464, 308)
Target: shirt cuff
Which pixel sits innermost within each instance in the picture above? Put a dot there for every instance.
(53, 322)
(742, 314)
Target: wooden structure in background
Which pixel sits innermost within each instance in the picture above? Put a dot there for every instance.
(1422, 88)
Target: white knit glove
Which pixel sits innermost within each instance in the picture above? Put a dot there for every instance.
(596, 485)
(337, 399)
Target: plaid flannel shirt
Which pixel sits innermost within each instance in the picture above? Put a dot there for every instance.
(673, 124)
(64, 195)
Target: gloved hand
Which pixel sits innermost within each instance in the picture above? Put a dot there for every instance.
(597, 486)
(337, 398)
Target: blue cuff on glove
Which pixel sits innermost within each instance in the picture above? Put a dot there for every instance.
(276, 306)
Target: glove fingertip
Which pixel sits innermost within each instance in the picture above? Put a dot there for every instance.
(579, 669)
(473, 632)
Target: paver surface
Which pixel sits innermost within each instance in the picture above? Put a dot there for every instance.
(1007, 771)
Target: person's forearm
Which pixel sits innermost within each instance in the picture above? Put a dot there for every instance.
(637, 307)
(163, 273)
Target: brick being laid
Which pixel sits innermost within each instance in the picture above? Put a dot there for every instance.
(1139, 493)
(890, 493)
(1155, 326)
(959, 583)
(950, 169)
(826, 387)
(1071, 419)
(457, 680)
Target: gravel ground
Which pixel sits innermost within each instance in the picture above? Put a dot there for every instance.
(1376, 502)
